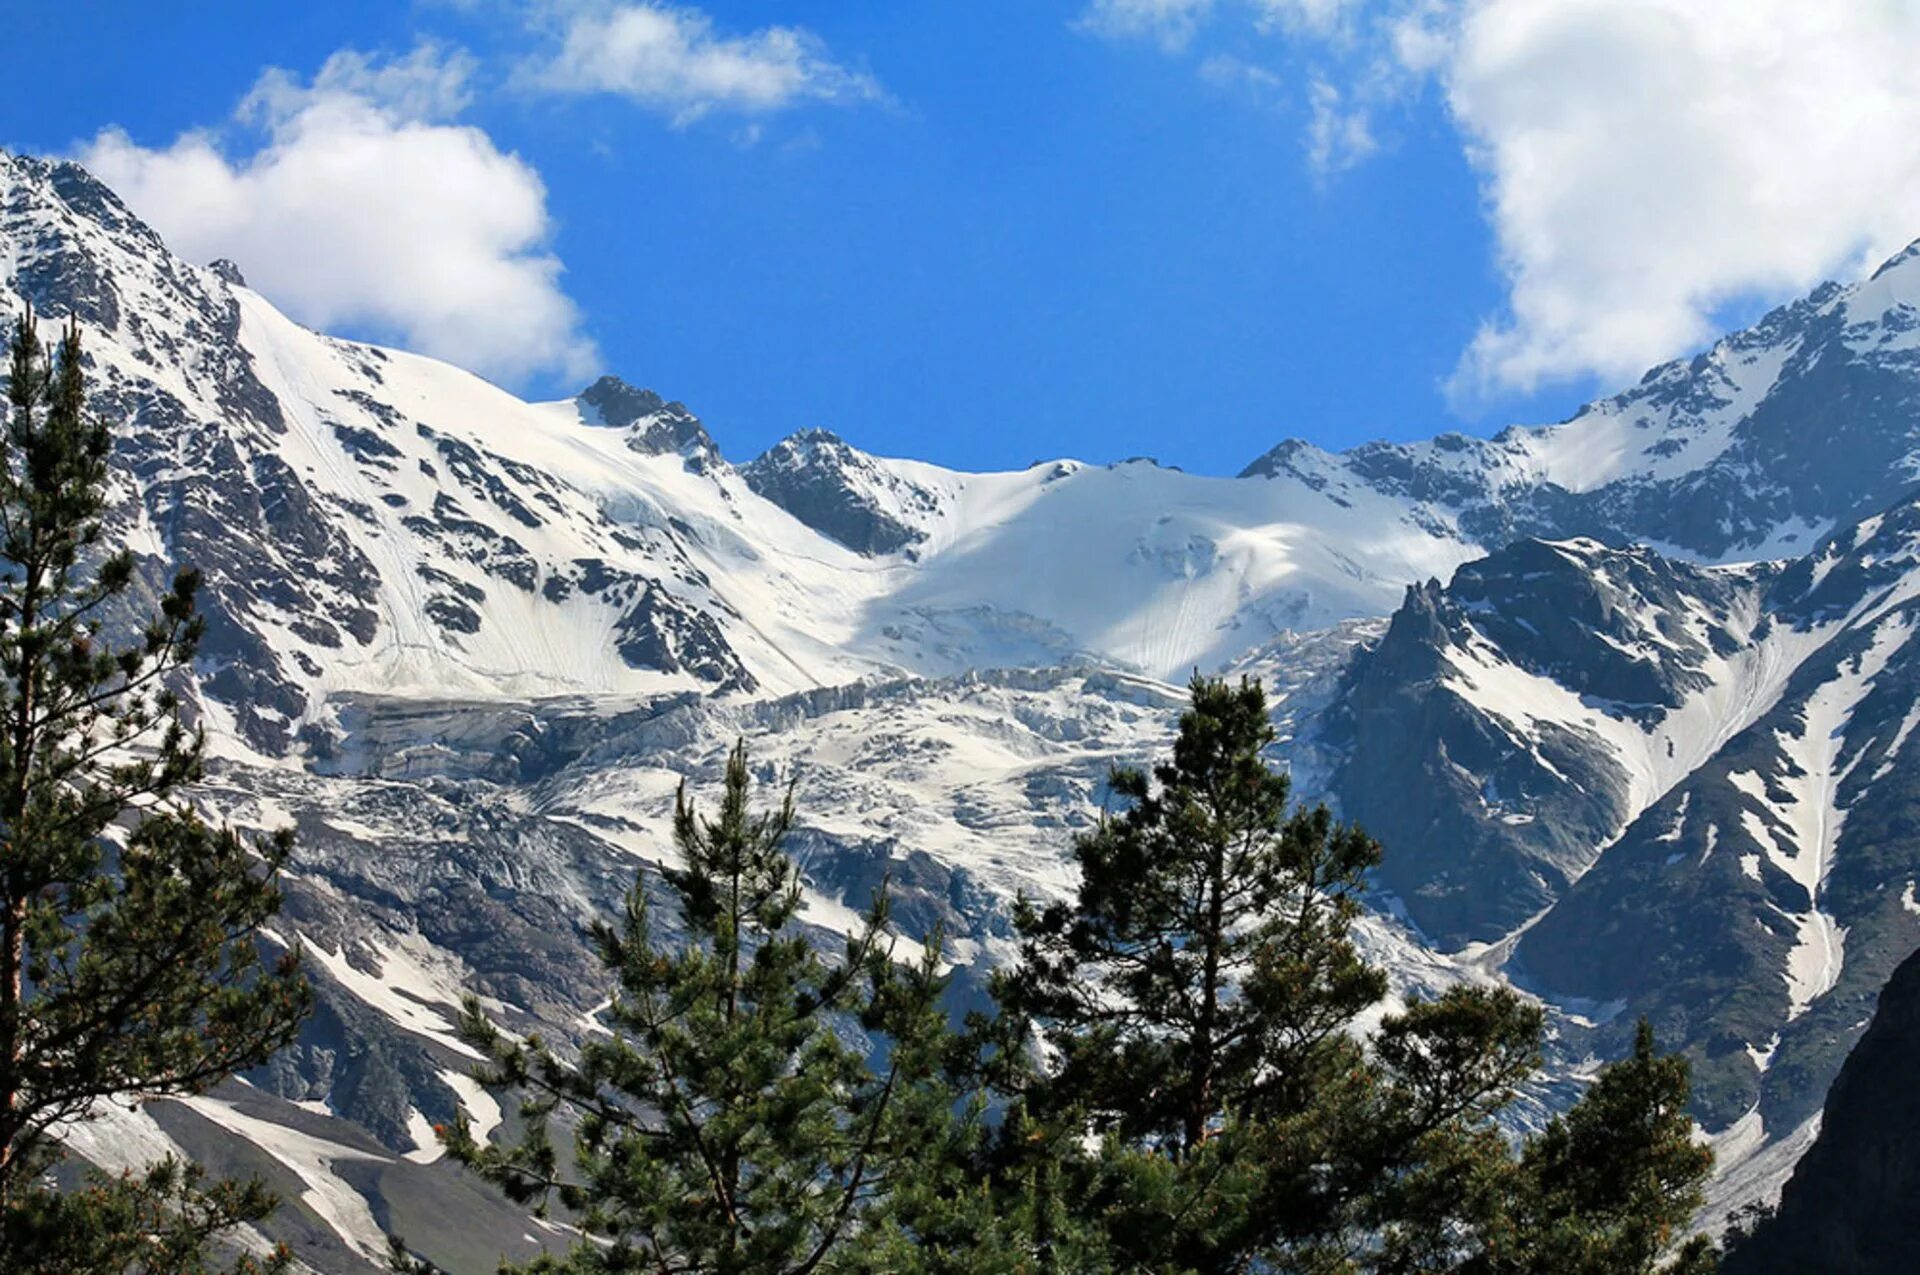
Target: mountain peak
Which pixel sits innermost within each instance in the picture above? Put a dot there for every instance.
(613, 403)
(1897, 260)
(814, 438)
(842, 492)
(1706, 454)
(84, 192)
(1280, 459)
(655, 425)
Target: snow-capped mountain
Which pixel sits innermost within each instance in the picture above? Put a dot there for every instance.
(1639, 787)
(1537, 705)
(1750, 450)
(418, 530)
(1769, 893)
(1626, 697)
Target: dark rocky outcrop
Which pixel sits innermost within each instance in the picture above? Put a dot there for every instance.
(654, 426)
(838, 491)
(1484, 826)
(1852, 1206)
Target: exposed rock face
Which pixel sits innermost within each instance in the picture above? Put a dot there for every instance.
(1852, 1206)
(654, 427)
(616, 405)
(1754, 909)
(1659, 790)
(1459, 732)
(841, 492)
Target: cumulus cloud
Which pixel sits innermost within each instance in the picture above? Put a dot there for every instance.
(355, 201)
(672, 59)
(1647, 162)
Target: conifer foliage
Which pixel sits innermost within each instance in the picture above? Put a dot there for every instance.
(1206, 951)
(1198, 1007)
(1614, 1183)
(1198, 1001)
(128, 965)
(734, 1121)
(1189, 1069)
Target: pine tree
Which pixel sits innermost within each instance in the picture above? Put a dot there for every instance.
(730, 1123)
(1611, 1187)
(128, 966)
(1207, 948)
(1197, 1002)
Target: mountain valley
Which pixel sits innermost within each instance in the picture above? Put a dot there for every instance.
(1630, 700)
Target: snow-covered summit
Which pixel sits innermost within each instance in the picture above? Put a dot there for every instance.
(371, 520)
(1752, 448)
(858, 500)
(403, 526)
(653, 426)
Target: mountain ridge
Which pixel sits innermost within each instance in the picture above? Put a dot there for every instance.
(949, 569)
(468, 645)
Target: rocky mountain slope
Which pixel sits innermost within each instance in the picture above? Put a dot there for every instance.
(1627, 697)
(1638, 787)
(1850, 1207)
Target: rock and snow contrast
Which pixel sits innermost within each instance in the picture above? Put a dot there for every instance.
(1849, 1205)
(1629, 699)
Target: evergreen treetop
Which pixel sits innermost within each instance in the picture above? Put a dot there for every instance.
(1207, 950)
(128, 927)
(1199, 1008)
(1190, 1070)
(1614, 1184)
(733, 1121)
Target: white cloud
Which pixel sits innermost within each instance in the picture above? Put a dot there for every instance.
(1170, 22)
(670, 58)
(1420, 36)
(1646, 162)
(1318, 17)
(1339, 134)
(1225, 71)
(359, 204)
(1173, 23)
(430, 83)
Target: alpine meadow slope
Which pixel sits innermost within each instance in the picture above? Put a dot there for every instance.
(1628, 699)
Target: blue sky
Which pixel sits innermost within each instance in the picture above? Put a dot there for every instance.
(979, 234)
